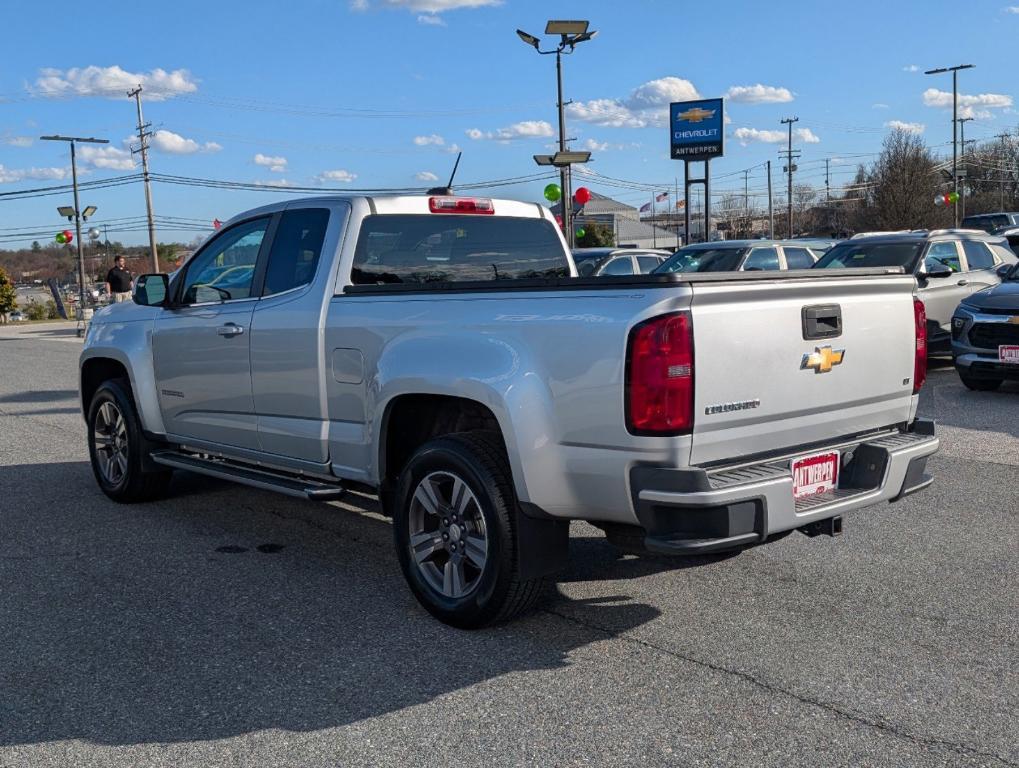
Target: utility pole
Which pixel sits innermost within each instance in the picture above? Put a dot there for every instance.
(746, 198)
(955, 125)
(143, 148)
(77, 209)
(1004, 137)
(789, 169)
(771, 207)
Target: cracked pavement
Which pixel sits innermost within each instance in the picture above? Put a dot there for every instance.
(162, 635)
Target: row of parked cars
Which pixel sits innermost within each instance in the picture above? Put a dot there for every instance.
(967, 278)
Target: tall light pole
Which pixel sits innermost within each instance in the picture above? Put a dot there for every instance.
(962, 141)
(77, 207)
(571, 34)
(955, 124)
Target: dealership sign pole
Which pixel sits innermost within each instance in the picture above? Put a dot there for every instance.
(697, 133)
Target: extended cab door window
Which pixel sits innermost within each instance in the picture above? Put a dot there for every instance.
(225, 269)
(296, 248)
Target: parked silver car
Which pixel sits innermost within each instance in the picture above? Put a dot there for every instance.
(949, 265)
(741, 256)
(592, 262)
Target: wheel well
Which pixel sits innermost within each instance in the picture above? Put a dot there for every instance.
(412, 420)
(94, 372)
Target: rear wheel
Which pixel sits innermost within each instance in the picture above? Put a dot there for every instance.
(980, 385)
(453, 522)
(118, 449)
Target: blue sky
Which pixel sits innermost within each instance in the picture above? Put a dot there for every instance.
(380, 93)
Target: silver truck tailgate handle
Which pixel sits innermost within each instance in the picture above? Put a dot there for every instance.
(230, 330)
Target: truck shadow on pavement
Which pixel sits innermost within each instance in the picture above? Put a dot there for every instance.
(223, 610)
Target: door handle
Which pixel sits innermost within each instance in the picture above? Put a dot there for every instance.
(230, 330)
(963, 282)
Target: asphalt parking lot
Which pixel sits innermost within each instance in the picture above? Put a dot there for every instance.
(227, 626)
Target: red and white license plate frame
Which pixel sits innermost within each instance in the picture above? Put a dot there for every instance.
(1008, 354)
(815, 474)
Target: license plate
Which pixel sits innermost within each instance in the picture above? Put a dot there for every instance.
(815, 474)
(1009, 353)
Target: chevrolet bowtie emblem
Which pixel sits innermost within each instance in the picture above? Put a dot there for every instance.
(822, 359)
(696, 114)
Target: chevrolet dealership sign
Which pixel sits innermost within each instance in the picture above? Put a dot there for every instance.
(697, 129)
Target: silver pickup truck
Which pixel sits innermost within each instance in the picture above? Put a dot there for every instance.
(441, 352)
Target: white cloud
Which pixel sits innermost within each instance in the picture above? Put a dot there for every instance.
(424, 6)
(758, 94)
(527, 129)
(879, 105)
(1011, 9)
(114, 158)
(977, 114)
(431, 20)
(17, 141)
(595, 146)
(8, 175)
(453, 149)
(275, 163)
(426, 176)
(647, 104)
(175, 144)
(932, 97)
(899, 125)
(911, 68)
(113, 82)
(338, 175)
(746, 135)
(424, 141)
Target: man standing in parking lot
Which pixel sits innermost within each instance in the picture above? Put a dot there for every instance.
(119, 281)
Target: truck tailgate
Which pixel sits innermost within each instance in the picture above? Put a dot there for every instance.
(762, 384)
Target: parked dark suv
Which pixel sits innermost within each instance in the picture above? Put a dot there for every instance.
(991, 222)
(985, 335)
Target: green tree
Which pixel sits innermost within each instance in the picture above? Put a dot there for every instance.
(8, 296)
(36, 247)
(596, 236)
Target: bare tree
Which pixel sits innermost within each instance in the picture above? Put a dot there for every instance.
(905, 180)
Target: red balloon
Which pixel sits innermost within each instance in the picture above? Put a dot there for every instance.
(582, 195)
(68, 234)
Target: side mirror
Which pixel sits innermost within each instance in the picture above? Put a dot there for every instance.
(152, 290)
(937, 272)
(1004, 270)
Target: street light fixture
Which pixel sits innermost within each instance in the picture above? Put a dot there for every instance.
(571, 33)
(90, 210)
(955, 125)
(74, 212)
(66, 211)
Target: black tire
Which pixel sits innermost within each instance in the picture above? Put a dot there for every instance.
(137, 480)
(978, 385)
(498, 594)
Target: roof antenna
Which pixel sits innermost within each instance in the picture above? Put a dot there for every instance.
(448, 189)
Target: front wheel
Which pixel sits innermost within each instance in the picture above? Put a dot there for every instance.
(118, 449)
(979, 385)
(453, 522)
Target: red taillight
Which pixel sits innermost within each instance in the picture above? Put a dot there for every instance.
(659, 376)
(920, 359)
(460, 205)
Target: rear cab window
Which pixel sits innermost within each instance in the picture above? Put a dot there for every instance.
(427, 248)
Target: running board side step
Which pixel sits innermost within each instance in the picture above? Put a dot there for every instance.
(291, 485)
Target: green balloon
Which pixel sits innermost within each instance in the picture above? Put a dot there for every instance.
(553, 193)
(581, 232)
